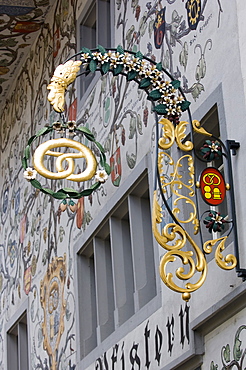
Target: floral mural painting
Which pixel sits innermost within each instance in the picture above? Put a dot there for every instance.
(172, 33)
(232, 357)
(18, 26)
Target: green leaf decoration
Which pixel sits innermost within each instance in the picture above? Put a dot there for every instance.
(155, 94)
(86, 51)
(32, 138)
(120, 49)
(85, 130)
(70, 192)
(84, 193)
(161, 109)
(144, 83)
(131, 75)
(93, 65)
(95, 186)
(184, 105)
(102, 50)
(36, 184)
(139, 125)
(102, 160)
(237, 351)
(44, 131)
(59, 195)
(118, 69)
(100, 147)
(27, 152)
(88, 134)
(213, 366)
(24, 163)
(226, 353)
(105, 67)
(176, 84)
(159, 66)
(107, 168)
(48, 191)
(139, 55)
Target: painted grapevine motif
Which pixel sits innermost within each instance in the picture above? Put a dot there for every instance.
(170, 31)
(232, 357)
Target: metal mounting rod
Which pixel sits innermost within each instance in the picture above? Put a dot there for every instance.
(232, 147)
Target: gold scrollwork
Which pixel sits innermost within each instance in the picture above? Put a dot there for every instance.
(171, 134)
(168, 137)
(198, 129)
(180, 135)
(226, 263)
(178, 237)
(83, 152)
(175, 184)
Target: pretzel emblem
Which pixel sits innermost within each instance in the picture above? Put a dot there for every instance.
(83, 152)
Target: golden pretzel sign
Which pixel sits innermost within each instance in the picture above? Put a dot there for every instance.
(83, 152)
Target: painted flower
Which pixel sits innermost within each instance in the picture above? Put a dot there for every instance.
(103, 58)
(97, 55)
(57, 126)
(101, 176)
(215, 221)
(85, 57)
(71, 125)
(30, 173)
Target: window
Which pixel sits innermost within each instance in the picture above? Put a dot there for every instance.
(116, 268)
(95, 29)
(17, 345)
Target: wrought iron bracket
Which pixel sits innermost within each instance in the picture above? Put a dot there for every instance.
(232, 147)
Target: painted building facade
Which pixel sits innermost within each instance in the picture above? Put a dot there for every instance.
(79, 281)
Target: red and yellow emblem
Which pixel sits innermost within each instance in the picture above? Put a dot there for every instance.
(213, 187)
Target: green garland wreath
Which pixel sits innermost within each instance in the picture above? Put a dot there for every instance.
(65, 193)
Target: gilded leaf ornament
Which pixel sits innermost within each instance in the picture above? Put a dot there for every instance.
(226, 263)
(180, 134)
(199, 129)
(63, 76)
(171, 134)
(167, 140)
